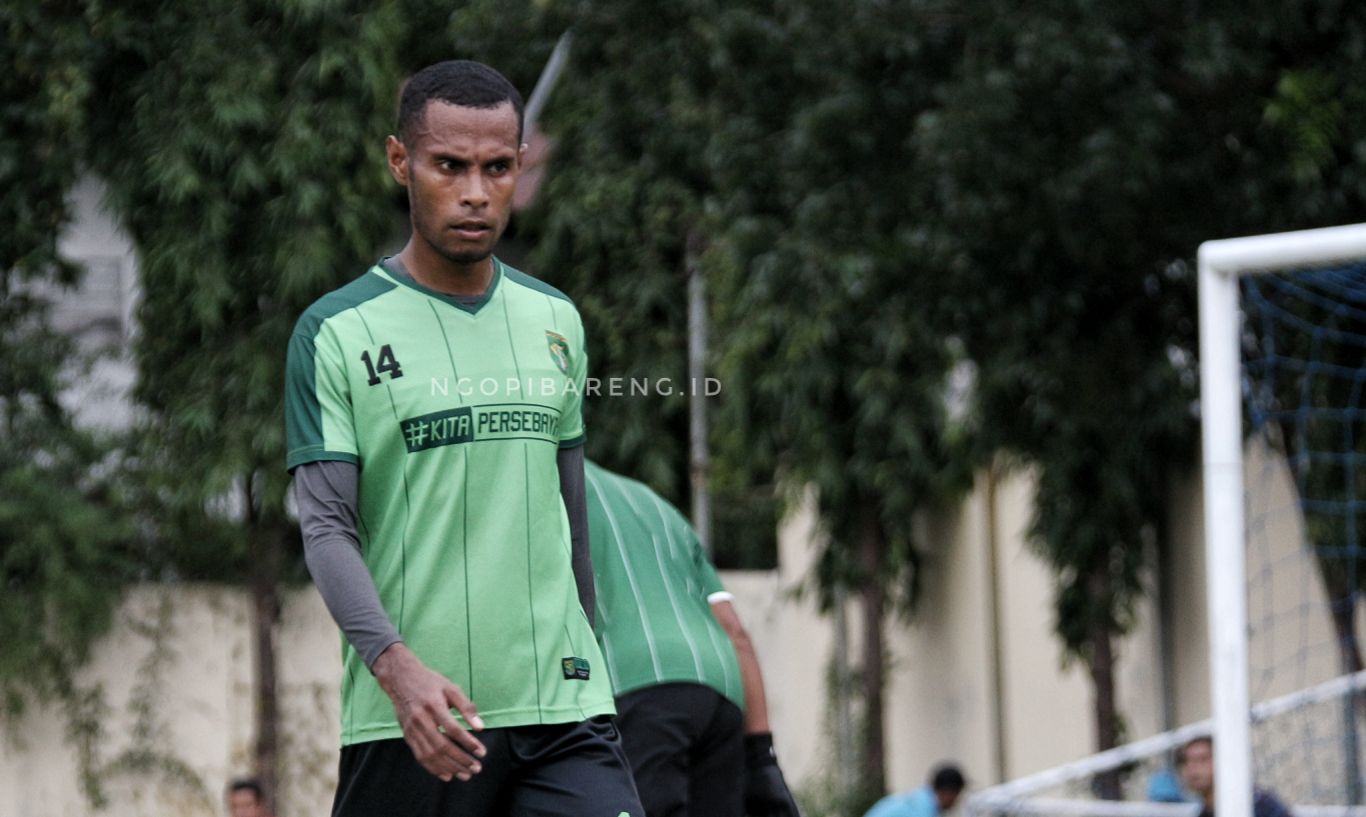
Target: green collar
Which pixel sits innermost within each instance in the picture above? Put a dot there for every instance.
(395, 268)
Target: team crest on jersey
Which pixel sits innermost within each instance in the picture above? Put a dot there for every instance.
(559, 349)
(575, 668)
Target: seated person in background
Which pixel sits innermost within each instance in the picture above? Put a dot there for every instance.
(246, 798)
(931, 800)
(1196, 762)
(1164, 786)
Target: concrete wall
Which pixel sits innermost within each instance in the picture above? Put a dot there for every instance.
(175, 676)
(169, 694)
(977, 675)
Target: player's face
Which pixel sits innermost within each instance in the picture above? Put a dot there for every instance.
(460, 168)
(1197, 768)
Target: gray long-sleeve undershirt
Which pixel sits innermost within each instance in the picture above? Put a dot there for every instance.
(327, 493)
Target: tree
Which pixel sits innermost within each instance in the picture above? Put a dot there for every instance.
(624, 189)
(729, 125)
(67, 545)
(1080, 154)
(243, 151)
(826, 300)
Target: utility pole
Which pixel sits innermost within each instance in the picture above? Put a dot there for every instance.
(699, 453)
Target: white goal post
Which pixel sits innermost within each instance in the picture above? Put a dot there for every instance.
(1017, 796)
(1300, 329)
(1222, 263)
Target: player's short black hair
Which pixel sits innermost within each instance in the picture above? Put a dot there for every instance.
(250, 784)
(947, 778)
(459, 82)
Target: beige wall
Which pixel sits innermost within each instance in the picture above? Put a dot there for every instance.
(175, 677)
(941, 697)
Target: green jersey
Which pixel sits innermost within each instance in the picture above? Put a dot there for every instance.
(654, 583)
(454, 413)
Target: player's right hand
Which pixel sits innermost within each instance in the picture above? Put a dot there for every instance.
(766, 792)
(423, 700)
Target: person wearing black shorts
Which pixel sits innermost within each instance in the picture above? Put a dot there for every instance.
(690, 697)
(435, 431)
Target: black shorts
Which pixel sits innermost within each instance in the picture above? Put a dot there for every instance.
(686, 747)
(557, 770)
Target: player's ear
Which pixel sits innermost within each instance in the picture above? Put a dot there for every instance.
(521, 156)
(397, 154)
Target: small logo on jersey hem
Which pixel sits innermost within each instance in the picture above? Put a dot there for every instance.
(575, 669)
(559, 350)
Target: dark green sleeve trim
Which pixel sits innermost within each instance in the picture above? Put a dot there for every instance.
(574, 442)
(519, 277)
(364, 288)
(317, 454)
(303, 412)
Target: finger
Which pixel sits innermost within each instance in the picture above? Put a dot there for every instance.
(441, 759)
(427, 751)
(458, 738)
(456, 697)
(434, 747)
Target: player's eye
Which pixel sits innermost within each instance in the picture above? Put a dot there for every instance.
(499, 168)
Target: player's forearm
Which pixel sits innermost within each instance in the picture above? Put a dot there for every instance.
(751, 679)
(575, 494)
(326, 495)
(756, 703)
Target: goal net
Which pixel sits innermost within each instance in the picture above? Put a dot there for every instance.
(1283, 412)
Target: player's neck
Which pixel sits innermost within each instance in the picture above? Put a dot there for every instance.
(437, 272)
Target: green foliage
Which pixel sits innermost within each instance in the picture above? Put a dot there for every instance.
(722, 134)
(65, 553)
(65, 534)
(145, 754)
(703, 125)
(826, 291)
(613, 217)
(245, 154)
(45, 90)
(241, 171)
(1080, 153)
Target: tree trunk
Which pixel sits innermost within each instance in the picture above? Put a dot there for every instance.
(1344, 609)
(265, 581)
(266, 611)
(1349, 655)
(846, 754)
(1102, 666)
(874, 603)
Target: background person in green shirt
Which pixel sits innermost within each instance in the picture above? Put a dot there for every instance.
(435, 431)
(690, 697)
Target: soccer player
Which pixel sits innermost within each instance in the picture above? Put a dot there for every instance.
(690, 697)
(434, 421)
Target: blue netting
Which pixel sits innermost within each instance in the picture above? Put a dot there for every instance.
(1304, 367)
(1306, 375)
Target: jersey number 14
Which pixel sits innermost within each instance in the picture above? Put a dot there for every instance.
(386, 363)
